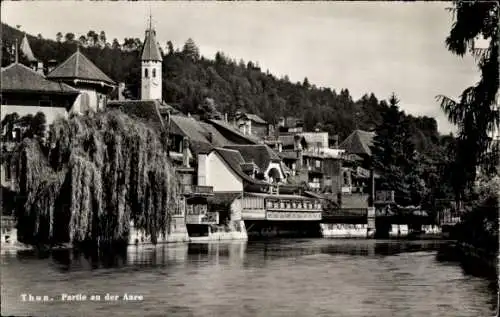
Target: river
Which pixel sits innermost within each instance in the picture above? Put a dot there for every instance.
(294, 277)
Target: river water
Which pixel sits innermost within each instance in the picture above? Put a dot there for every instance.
(306, 277)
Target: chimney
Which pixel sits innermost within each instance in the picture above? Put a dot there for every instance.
(51, 65)
(298, 149)
(39, 68)
(336, 141)
(185, 152)
(121, 90)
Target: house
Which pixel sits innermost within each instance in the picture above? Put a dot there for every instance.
(311, 160)
(357, 184)
(25, 91)
(34, 63)
(290, 125)
(80, 73)
(267, 162)
(356, 174)
(252, 124)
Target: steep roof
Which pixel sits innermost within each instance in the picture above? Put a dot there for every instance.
(79, 67)
(144, 110)
(150, 50)
(255, 118)
(223, 126)
(26, 49)
(260, 154)
(19, 78)
(234, 160)
(358, 142)
(203, 137)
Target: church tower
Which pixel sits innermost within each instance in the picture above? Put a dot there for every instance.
(151, 60)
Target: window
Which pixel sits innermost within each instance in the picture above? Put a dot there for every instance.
(346, 178)
(154, 72)
(146, 72)
(318, 164)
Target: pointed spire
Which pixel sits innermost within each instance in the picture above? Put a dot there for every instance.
(150, 19)
(150, 50)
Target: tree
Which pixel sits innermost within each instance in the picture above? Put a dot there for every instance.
(191, 50)
(394, 155)
(170, 48)
(59, 37)
(83, 40)
(92, 38)
(116, 44)
(38, 125)
(69, 37)
(8, 124)
(102, 38)
(306, 83)
(476, 113)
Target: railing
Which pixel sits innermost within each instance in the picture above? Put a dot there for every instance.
(197, 189)
(346, 212)
(293, 216)
(210, 218)
(292, 205)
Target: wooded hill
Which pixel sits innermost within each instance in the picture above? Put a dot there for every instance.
(189, 78)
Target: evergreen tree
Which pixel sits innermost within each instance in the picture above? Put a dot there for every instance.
(191, 50)
(476, 113)
(394, 155)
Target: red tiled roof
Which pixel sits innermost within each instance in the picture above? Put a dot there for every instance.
(17, 77)
(150, 50)
(78, 66)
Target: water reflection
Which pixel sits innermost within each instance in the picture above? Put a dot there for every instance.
(289, 277)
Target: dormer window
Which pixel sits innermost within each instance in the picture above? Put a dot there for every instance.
(146, 73)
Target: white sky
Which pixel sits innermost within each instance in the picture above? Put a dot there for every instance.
(366, 47)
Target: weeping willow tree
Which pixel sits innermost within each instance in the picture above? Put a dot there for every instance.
(94, 175)
(476, 113)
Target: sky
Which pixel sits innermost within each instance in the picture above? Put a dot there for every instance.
(365, 47)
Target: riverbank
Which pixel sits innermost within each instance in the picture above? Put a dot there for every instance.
(480, 255)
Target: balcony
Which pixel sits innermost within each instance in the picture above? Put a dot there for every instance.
(292, 205)
(197, 190)
(209, 218)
